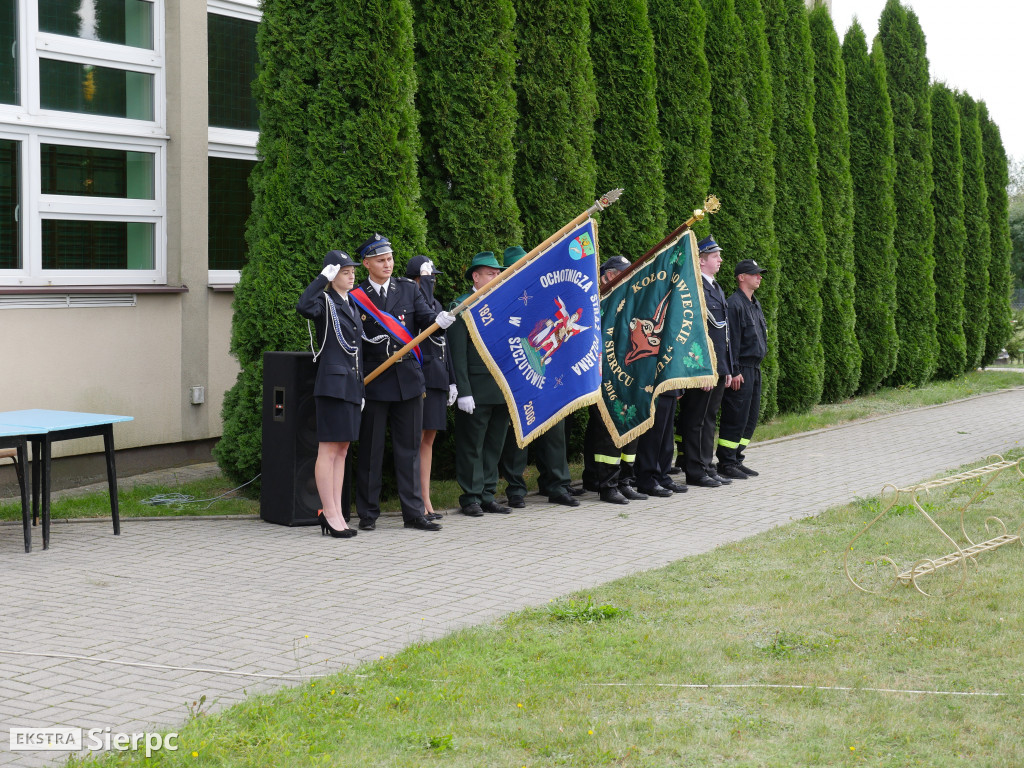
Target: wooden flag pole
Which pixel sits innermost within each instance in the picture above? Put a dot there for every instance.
(711, 205)
(599, 205)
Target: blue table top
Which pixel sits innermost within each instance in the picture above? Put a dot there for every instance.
(50, 421)
(11, 430)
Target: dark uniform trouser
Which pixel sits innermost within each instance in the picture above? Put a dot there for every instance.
(654, 448)
(602, 461)
(695, 429)
(479, 437)
(553, 475)
(740, 409)
(405, 417)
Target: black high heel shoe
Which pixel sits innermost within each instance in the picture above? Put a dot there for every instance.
(325, 526)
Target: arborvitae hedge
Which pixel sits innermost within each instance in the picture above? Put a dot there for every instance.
(1000, 324)
(555, 174)
(907, 76)
(465, 63)
(948, 203)
(627, 146)
(758, 209)
(684, 105)
(978, 246)
(873, 171)
(338, 145)
(831, 129)
(798, 205)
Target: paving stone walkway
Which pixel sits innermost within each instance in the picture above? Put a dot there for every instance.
(123, 632)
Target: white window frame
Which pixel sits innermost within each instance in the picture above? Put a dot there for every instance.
(31, 125)
(227, 142)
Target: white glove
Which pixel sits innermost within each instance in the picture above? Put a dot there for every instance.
(426, 268)
(453, 392)
(330, 271)
(362, 404)
(467, 404)
(444, 319)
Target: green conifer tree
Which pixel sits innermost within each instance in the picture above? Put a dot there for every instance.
(555, 174)
(907, 78)
(338, 145)
(948, 204)
(684, 105)
(1000, 280)
(831, 128)
(627, 146)
(798, 205)
(978, 246)
(873, 170)
(465, 63)
(756, 161)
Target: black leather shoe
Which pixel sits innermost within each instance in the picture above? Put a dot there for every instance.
(704, 482)
(577, 491)
(495, 508)
(472, 510)
(631, 494)
(433, 515)
(715, 476)
(422, 524)
(673, 470)
(367, 525)
(748, 471)
(516, 502)
(675, 487)
(564, 499)
(734, 472)
(612, 496)
(657, 490)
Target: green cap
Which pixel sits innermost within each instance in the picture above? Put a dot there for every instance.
(513, 254)
(482, 259)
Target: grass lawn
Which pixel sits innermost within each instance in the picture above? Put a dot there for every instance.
(445, 493)
(602, 678)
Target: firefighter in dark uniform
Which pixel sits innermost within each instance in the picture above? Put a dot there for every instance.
(549, 450)
(748, 336)
(338, 390)
(438, 375)
(602, 461)
(395, 398)
(695, 423)
(482, 419)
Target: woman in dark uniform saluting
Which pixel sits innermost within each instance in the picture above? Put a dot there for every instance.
(338, 352)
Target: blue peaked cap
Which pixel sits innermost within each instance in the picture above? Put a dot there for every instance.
(375, 246)
(708, 245)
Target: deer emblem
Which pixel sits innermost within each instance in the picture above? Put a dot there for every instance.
(645, 334)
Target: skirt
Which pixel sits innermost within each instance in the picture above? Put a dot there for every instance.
(337, 421)
(435, 409)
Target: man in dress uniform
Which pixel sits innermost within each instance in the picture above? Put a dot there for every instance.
(695, 424)
(549, 450)
(482, 419)
(602, 461)
(395, 398)
(748, 338)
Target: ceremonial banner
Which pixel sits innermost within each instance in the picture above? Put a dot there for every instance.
(654, 338)
(539, 333)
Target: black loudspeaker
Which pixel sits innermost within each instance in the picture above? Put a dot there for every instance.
(289, 495)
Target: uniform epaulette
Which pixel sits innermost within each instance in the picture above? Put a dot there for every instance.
(403, 280)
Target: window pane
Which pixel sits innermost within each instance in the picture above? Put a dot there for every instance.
(230, 204)
(232, 61)
(125, 22)
(97, 172)
(97, 244)
(9, 52)
(74, 87)
(10, 198)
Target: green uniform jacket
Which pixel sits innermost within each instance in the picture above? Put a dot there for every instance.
(471, 374)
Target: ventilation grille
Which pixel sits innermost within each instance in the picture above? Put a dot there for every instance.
(68, 300)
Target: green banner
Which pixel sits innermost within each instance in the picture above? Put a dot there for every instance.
(654, 338)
